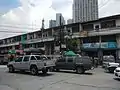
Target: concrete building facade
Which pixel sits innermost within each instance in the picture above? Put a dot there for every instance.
(69, 21)
(58, 19)
(96, 38)
(85, 10)
(52, 23)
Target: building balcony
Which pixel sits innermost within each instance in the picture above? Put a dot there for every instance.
(100, 32)
(38, 40)
(107, 31)
(11, 44)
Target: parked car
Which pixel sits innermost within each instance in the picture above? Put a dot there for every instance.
(108, 59)
(109, 63)
(32, 63)
(111, 67)
(76, 63)
(117, 72)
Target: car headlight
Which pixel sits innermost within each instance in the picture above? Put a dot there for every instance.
(119, 65)
(117, 70)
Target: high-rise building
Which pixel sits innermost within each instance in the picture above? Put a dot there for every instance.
(52, 23)
(69, 21)
(85, 10)
(58, 19)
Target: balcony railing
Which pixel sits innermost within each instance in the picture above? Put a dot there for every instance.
(106, 31)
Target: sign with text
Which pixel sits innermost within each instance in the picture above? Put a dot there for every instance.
(102, 45)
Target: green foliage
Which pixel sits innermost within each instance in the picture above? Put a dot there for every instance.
(72, 44)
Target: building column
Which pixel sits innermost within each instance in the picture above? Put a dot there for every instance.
(100, 51)
(118, 46)
(100, 56)
(48, 49)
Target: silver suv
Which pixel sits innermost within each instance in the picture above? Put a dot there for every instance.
(32, 63)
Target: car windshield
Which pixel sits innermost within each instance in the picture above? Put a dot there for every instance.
(109, 58)
(41, 57)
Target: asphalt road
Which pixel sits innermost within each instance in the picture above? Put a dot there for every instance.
(93, 80)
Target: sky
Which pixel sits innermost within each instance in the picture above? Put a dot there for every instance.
(26, 15)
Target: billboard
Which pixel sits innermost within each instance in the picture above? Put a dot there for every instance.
(100, 45)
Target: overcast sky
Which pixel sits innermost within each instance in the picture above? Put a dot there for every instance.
(28, 14)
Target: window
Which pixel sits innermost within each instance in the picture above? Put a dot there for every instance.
(26, 58)
(70, 60)
(19, 59)
(97, 27)
(33, 58)
(61, 60)
(44, 58)
(38, 57)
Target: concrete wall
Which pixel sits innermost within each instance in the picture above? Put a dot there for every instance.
(118, 22)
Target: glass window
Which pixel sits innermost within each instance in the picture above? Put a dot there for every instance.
(44, 58)
(70, 60)
(61, 60)
(26, 58)
(33, 58)
(38, 57)
(19, 59)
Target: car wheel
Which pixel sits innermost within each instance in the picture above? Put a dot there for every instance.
(80, 70)
(11, 69)
(34, 70)
(44, 71)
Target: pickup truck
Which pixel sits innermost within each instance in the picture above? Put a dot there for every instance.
(80, 64)
(32, 63)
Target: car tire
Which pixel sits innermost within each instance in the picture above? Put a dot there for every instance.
(11, 69)
(80, 70)
(34, 70)
(44, 71)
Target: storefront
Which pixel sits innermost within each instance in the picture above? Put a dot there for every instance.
(100, 49)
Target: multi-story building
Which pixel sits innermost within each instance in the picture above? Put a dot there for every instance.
(85, 10)
(69, 21)
(52, 23)
(58, 16)
(96, 38)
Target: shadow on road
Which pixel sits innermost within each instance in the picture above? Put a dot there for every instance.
(71, 72)
(28, 73)
(117, 79)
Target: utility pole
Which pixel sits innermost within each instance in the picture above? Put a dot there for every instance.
(60, 35)
(42, 28)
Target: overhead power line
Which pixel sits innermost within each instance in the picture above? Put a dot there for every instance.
(9, 26)
(17, 24)
(102, 5)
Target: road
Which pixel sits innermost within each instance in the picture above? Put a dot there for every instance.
(65, 80)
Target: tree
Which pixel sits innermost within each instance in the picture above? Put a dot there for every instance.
(72, 44)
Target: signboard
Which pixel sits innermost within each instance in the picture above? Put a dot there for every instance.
(11, 51)
(91, 45)
(103, 45)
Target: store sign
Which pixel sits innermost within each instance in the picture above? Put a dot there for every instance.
(102, 45)
(91, 45)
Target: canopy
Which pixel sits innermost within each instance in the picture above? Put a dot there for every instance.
(69, 53)
(11, 52)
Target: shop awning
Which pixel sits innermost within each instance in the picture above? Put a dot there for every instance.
(69, 53)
